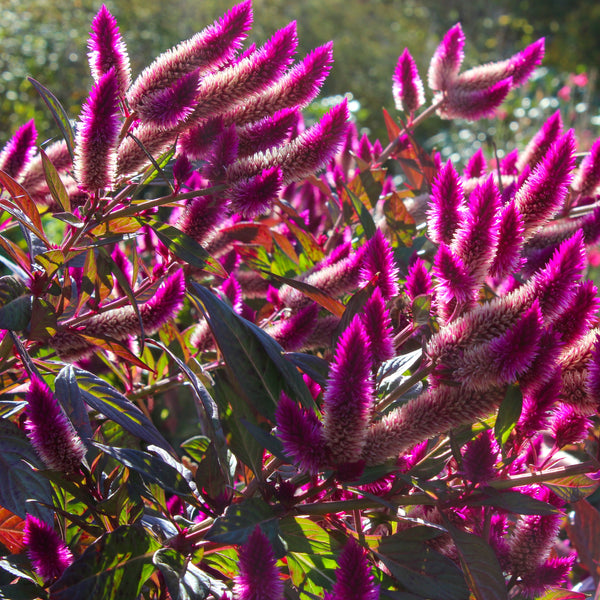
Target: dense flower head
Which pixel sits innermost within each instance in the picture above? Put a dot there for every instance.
(353, 577)
(258, 577)
(453, 280)
(568, 425)
(445, 211)
(550, 574)
(537, 404)
(48, 554)
(507, 258)
(476, 167)
(267, 132)
(587, 178)
(541, 142)
(407, 85)
(580, 315)
(447, 59)
(18, 151)
(293, 333)
(479, 458)
(378, 326)
(378, 260)
(107, 50)
(50, 431)
(418, 280)
(255, 195)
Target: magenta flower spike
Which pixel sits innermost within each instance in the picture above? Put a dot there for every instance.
(48, 554)
(293, 333)
(541, 142)
(569, 426)
(348, 398)
(378, 259)
(477, 166)
(593, 379)
(508, 164)
(524, 63)
(196, 142)
(97, 136)
(201, 216)
(353, 577)
(447, 59)
(581, 314)
(165, 304)
(587, 177)
(507, 259)
(537, 404)
(305, 154)
(18, 151)
(479, 458)
(378, 326)
(169, 106)
(445, 211)
(418, 280)
(454, 282)
(220, 91)
(107, 50)
(208, 49)
(551, 574)
(407, 86)
(476, 239)
(365, 149)
(545, 190)
(50, 431)
(268, 132)
(297, 88)
(255, 195)
(473, 104)
(258, 577)
(222, 155)
(301, 433)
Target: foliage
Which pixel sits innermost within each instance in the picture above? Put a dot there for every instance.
(246, 356)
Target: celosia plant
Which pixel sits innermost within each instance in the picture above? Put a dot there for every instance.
(246, 358)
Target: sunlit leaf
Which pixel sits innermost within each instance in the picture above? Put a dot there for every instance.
(11, 531)
(55, 183)
(573, 488)
(508, 414)
(24, 208)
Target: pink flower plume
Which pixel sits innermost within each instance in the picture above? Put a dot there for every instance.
(447, 59)
(407, 85)
(165, 304)
(254, 196)
(418, 280)
(353, 577)
(445, 209)
(17, 153)
(378, 259)
(378, 326)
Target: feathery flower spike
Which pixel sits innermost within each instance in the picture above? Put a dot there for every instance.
(50, 431)
(537, 405)
(268, 132)
(301, 433)
(378, 326)
(208, 49)
(201, 216)
(418, 280)
(447, 59)
(18, 151)
(107, 50)
(593, 379)
(254, 196)
(407, 85)
(293, 333)
(378, 259)
(580, 315)
(476, 167)
(353, 577)
(97, 136)
(479, 458)
(454, 282)
(541, 142)
(588, 175)
(259, 577)
(222, 154)
(348, 398)
(507, 258)
(524, 63)
(545, 190)
(569, 426)
(48, 554)
(551, 574)
(445, 211)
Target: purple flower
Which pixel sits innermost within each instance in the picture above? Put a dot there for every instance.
(524, 63)
(348, 398)
(447, 59)
(254, 196)
(301, 433)
(593, 380)
(97, 136)
(48, 554)
(569, 426)
(201, 216)
(537, 404)
(507, 259)
(588, 175)
(418, 280)
(222, 155)
(476, 167)
(165, 304)
(454, 282)
(169, 106)
(268, 132)
(538, 147)
(549, 574)
(545, 190)
(476, 239)
(580, 315)
(293, 333)
(353, 577)
(107, 50)
(445, 210)
(224, 89)
(17, 153)
(378, 260)
(479, 458)
(258, 577)
(50, 431)
(378, 327)
(407, 85)
(208, 49)
(196, 142)
(508, 163)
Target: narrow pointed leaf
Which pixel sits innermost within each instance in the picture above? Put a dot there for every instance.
(55, 184)
(508, 414)
(68, 394)
(185, 581)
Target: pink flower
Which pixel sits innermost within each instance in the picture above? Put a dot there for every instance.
(569, 426)
(445, 210)
(293, 333)
(107, 50)
(580, 315)
(541, 142)
(268, 132)
(378, 326)
(580, 80)
(447, 59)
(454, 282)
(353, 577)
(254, 196)
(418, 280)
(407, 85)
(258, 577)
(17, 153)
(477, 166)
(97, 136)
(507, 259)
(550, 574)
(48, 554)
(378, 259)
(50, 431)
(479, 458)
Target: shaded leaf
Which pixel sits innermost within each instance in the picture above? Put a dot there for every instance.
(508, 414)
(515, 502)
(315, 367)
(102, 397)
(16, 314)
(184, 580)
(583, 530)
(68, 394)
(43, 320)
(115, 567)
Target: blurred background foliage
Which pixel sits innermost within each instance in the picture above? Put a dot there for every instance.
(47, 40)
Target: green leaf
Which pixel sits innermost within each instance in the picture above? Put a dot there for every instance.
(19, 483)
(508, 414)
(480, 565)
(58, 112)
(16, 314)
(240, 520)
(573, 488)
(515, 502)
(184, 247)
(556, 594)
(254, 360)
(421, 570)
(184, 580)
(55, 183)
(115, 567)
(102, 397)
(364, 216)
(392, 372)
(43, 320)
(22, 590)
(153, 469)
